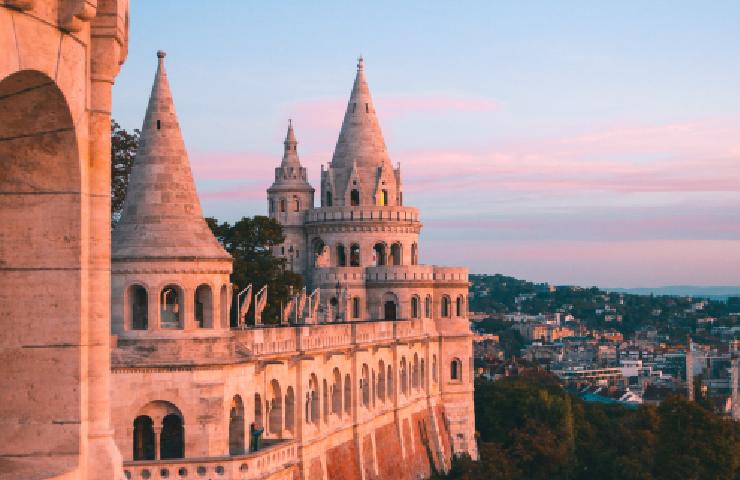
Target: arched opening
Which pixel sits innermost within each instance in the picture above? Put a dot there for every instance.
(236, 426)
(224, 306)
(423, 375)
(365, 385)
(296, 204)
(373, 392)
(403, 376)
(203, 307)
(390, 306)
(326, 401)
(415, 306)
(428, 307)
(41, 258)
(379, 251)
(172, 439)
(389, 381)
(383, 198)
(444, 306)
(329, 199)
(336, 393)
(170, 301)
(354, 197)
(347, 394)
(139, 307)
(415, 372)
(341, 256)
(396, 254)
(414, 254)
(460, 306)
(283, 207)
(276, 409)
(456, 369)
(258, 422)
(144, 438)
(313, 387)
(290, 410)
(381, 380)
(434, 368)
(356, 307)
(354, 255)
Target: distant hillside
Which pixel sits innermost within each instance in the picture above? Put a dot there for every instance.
(715, 293)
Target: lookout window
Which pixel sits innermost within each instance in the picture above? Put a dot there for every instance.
(354, 256)
(383, 199)
(354, 197)
(158, 125)
(328, 199)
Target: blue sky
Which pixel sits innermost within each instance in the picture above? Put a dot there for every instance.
(571, 142)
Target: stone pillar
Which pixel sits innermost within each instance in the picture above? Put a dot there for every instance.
(157, 438)
(153, 308)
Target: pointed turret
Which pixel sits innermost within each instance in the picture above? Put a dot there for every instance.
(162, 216)
(290, 153)
(360, 138)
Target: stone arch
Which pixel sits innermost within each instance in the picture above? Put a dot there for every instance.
(41, 227)
(415, 307)
(444, 306)
(203, 306)
(381, 381)
(168, 419)
(456, 370)
(275, 415)
(236, 426)
(403, 376)
(290, 410)
(336, 392)
(341, 255)
(365, 385)
(138, 307)
(460, 306)
(390, 306)
(347, 394)
(144, 440)
(171, 306)
(379, 253)
(396, 256)
(354, 255)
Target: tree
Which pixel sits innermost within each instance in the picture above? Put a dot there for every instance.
(250, 242)
(123, 152)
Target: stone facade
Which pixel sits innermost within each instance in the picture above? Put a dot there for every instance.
(58, 61)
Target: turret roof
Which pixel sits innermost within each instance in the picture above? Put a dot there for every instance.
(162, 217)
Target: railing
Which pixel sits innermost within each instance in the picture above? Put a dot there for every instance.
(243, 467)
(362, 213)
(390, 273)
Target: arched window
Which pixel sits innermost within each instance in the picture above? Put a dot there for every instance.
(459, 306)
(276, 409)
(326, 402)
(347, 394)
(313, 387)
(415, 307)
(423, 375)
(456, 369)
(336, 392)
(403, 376)
(171, 307)
(341, 256)
(434, 368)
(415, 372)
(354, 255)
(236, 426)
(139, 307)
(383, 198)
(379, 249)
(389, 381)
(258, 422)
(381, 380)
(396, 254)
(144, 438)
(365, 385)
(414, 254)
(282, 205)
(296, 204)
(445, 306)
(203, 307)
(354, 197)
(172, 438)
(328, 199)
(356, 307)
(290, 410)
(390, 306)
(428, 306)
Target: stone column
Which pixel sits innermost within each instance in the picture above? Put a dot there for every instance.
(153, 308)
(157, 438)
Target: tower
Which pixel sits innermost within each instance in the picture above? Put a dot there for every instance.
(170, 276)
(289, 197)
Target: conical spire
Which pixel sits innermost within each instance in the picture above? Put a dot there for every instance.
(290, 153)
(360, 138)
(162, 216)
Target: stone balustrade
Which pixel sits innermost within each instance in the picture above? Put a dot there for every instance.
(327, 275)
(271, 459)
(362, 213)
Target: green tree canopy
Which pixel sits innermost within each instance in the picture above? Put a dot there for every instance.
(123, 152)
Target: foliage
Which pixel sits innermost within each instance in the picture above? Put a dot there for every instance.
(249, 241)
(123, 153)
(530, 428)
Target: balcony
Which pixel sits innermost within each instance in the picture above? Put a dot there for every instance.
(365, 213)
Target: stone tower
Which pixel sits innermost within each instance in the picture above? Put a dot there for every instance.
(169, 273)
(289, 197)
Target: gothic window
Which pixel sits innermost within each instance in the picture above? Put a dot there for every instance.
(379, 249)
(390, 307)
(456, 369)
(347, 394)
(414, 254)
(158, 125)
(459, 306)
(341, 256)
(144, 438)
(203, 307)
(383, 198)
(336, 393)
(296, 204)
(365, 385)
(445, 306)
(138, 307)
(381, 381)
(389, 380)
(170, 307)
(396, 254)
(356, 307)
(415, 307)
(403, 376)
(328, 199)
(354, 255)
(428, 307)
(282, 205)
(354, 197)
(172, 438)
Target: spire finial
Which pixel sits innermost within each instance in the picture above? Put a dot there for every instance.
(290, 123)
(161, 54)
(360, 63)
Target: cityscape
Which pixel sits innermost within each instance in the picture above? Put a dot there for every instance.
(262, 241)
